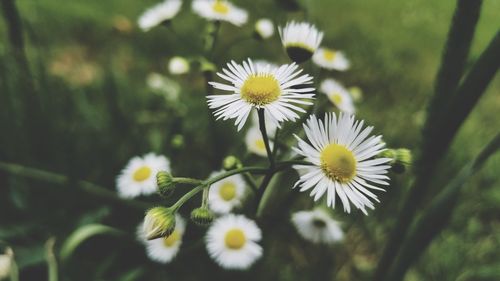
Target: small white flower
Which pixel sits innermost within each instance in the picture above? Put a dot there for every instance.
(159, 13)
(220, 10)
(338, 95)
(139, 176)
(264, 28)
(226, 194)
(232, 242)
(317, 226)
(300, 39)
(262, 87)
(178, 65)
(255, 142)
(331, 59)
(164, 250)
(343, 161)
(6, 263)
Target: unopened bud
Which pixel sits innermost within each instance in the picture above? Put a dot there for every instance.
(231, 163)
(202, 216)
(356, 94)
(403, 160)
(165, 183)
(158, 222)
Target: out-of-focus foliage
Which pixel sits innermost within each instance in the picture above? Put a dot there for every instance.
(91, 111)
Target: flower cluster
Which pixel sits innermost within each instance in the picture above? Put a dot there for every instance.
(338, 157)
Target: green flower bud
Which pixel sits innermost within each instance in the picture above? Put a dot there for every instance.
(231, 163)
(202, 216)
(177, 141)
(402, 161)
(165, 183)
(159, 222)
(388, 153)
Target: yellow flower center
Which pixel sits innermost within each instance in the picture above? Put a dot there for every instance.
(338, 163)
(336, 98)
(260, 144)
(142, 173)
(220, 7)
(227, 191)
(170, 240)
(329, 55)
(235, 239)
(260, 89)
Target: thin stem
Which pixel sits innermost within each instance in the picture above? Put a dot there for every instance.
(85, 186)
(187, 181)
(51, 260)
(204, 199)
(250, 181)
(262, 127)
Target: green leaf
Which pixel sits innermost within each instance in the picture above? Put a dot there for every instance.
(84, 233)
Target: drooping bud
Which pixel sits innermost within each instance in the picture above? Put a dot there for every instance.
(202, 216)
(231, 163)
(165, 183)
(158, 222)
(177, 141)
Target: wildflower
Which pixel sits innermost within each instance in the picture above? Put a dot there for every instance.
(264, 28)
(232, 242)
(159, 13)
(139, 176)
(220, 10)
(158, 222)
(261, 87)
(300, 39)
(226, 194)
(255, 142)
(317, 226)
(331, 59)
(178, 65)
(341, 153)
(338, 95)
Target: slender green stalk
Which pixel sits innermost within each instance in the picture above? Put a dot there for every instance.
(456, 50)
(51, 260)
(204, 199)
(85, 186)
(187, 181)
(262, 127)
(437, 215)
(250, 181)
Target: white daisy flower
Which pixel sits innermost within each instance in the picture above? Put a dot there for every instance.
(226, 194)
(338, 95)
(275, 90)
(178, 65)
(164, 250)
(331, 59)
(255, 143)
(300, 39)
(6, 262)
(317, 226)
(264, 28)
(220, 10)
(139, 176)
(159, 13)
(344, 163)
(232, 242)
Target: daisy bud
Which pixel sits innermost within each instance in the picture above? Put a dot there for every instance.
(159, 222)
(178, 65)
(264, 28)
(231, 163)
(202, 216)
(165, 183)
(177, 141)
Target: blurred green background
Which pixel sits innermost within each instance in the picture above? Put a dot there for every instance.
(90, 110)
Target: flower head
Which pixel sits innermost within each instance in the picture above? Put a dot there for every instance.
(139, 176)
(331, 59)
(226, 194)
(220, 10)
(255, 142)
(158, 222)
(159, 13)
(338, 95)
(260, 86)
(317, 226)
(343, 161)
(202, 216)
(300, 39)
(164, 250)
(232, 242)
(264, 28)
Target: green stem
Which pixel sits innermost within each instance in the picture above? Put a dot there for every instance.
(262, 127)
(250, 181)
(204, 199)
(85, 186)
(187, 181)
(51, 260)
